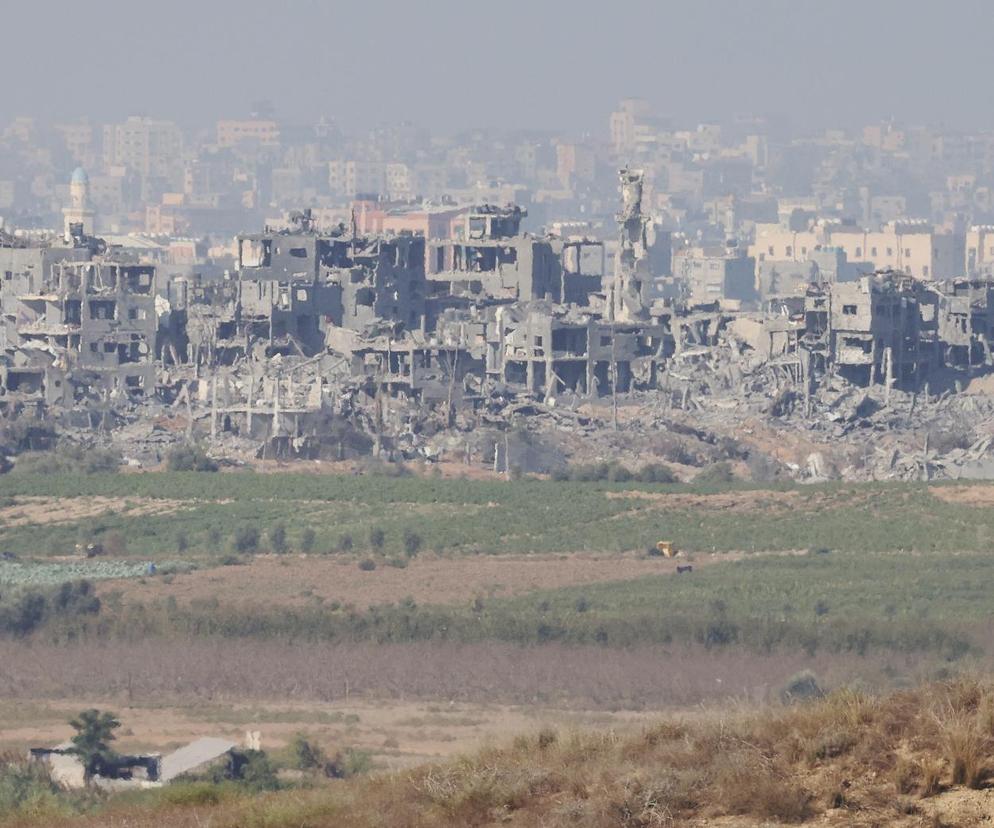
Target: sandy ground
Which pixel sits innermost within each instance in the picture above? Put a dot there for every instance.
(398, 734)
(47, 510)
(297, 580)
(973, 495)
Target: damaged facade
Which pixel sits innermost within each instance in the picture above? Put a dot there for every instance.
(332, 342)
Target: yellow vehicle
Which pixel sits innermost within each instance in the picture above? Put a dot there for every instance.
(667, 549)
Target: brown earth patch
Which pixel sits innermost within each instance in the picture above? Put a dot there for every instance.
(301, 580)
(975, 495)
(40, 511)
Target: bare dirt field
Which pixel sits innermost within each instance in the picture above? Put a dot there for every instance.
(298, 580)
(972, 495)
(47, 510)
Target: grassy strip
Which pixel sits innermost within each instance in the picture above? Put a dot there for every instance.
(492, 517)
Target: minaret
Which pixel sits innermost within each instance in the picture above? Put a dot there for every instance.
(78, 211)
(631, 265)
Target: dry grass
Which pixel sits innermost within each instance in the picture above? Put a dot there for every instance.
(906, 759)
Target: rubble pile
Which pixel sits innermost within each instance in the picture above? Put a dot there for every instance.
(496, 349)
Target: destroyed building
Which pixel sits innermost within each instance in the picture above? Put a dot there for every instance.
(330, 342)
(494, 260)
(77, 324)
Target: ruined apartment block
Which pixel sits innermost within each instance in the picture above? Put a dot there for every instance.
(332, 334)
(76, 326)
(495, 260)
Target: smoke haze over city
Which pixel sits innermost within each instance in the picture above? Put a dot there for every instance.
(546, 65)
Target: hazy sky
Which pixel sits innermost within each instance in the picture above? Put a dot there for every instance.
(522, 63)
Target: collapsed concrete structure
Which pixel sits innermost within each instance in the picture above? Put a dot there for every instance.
(330, 342)
(77, 324)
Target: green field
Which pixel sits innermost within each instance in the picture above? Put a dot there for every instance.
(883, 566)
(491, 517)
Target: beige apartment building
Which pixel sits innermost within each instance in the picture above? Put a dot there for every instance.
(979, 249)
(151, 148)
(912, 247)
(231, 133)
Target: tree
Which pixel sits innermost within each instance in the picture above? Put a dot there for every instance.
(376, 538)
(246, 539)
(412, 543)
(307, 539)
(94, 733)
(277, 539)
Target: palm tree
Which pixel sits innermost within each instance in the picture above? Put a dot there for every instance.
(94, 732)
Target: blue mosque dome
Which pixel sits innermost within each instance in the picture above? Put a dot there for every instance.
(79, 176)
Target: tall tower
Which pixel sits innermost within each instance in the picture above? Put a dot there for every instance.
(78, 211)
(631, 264)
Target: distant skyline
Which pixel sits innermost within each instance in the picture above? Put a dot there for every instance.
(517, 64)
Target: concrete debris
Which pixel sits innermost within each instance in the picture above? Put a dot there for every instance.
(331, 344)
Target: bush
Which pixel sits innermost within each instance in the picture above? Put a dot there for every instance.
(412, 543)
(307, 539)
(69, 460)
(250, 768)
(377, 537)
(350, 762)
(619, 474)
(655, 473)
(762, 467)
(966, 749)
(26, 611)
(182, 542)
(304, 754)
(716, 474)
(801, 687)
(367, 564)
(748, 786)
(345, 543)
(246, 540)
(96, 461)
(277, 539)
(189, 457)
(589, 473)
(26, 786)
